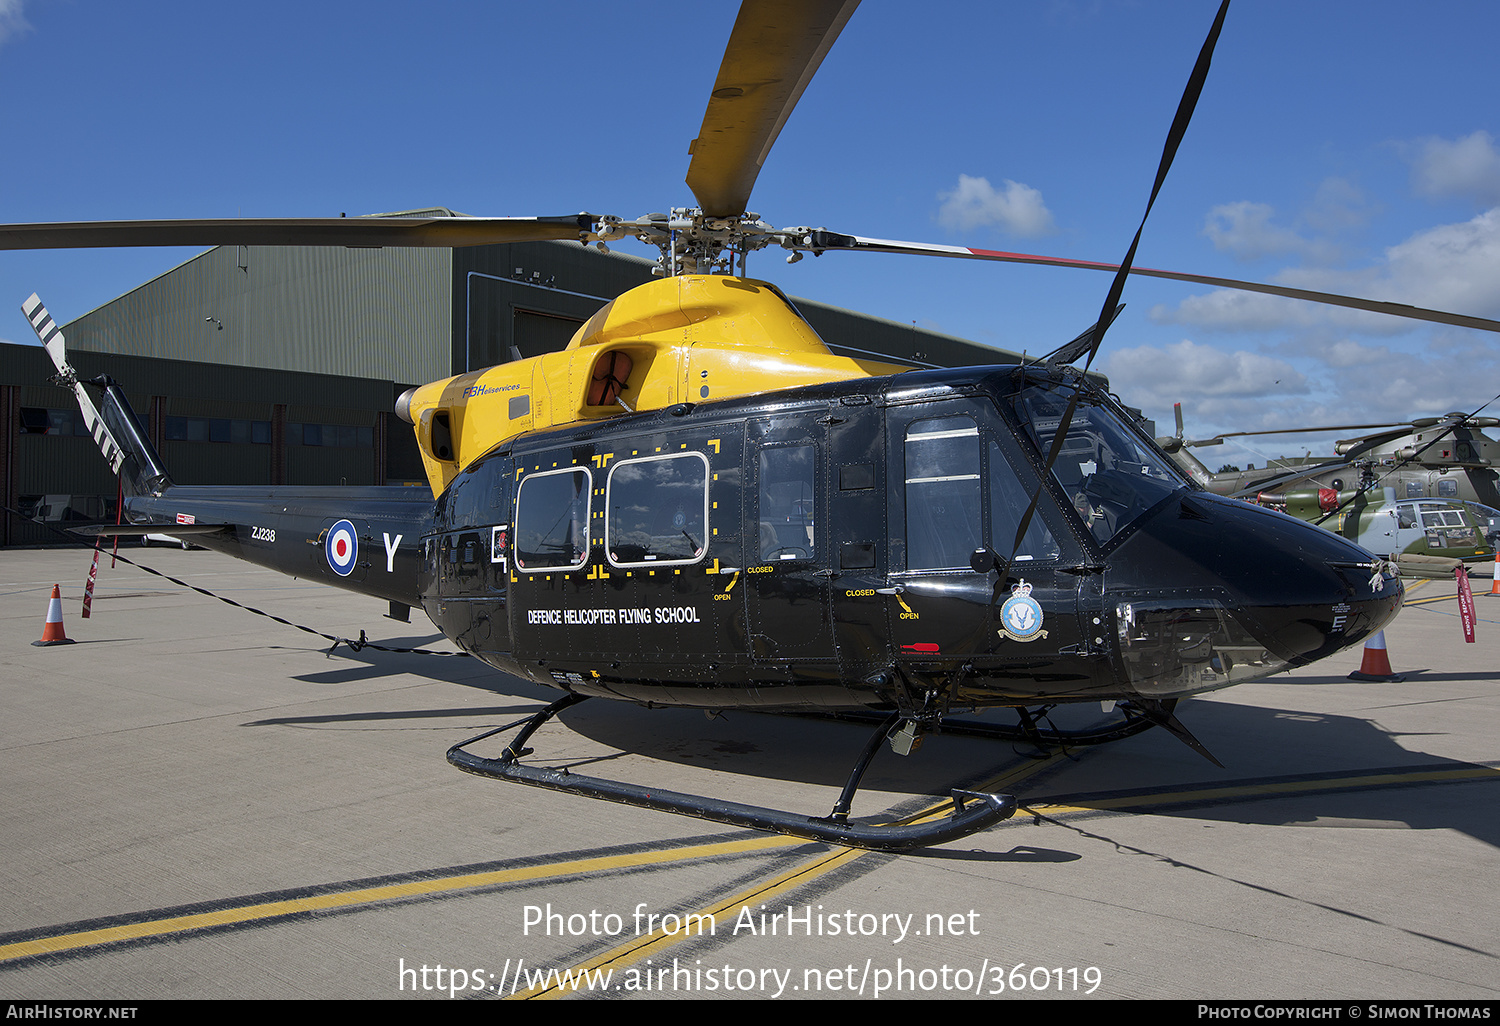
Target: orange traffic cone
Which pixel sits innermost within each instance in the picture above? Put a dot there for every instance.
(1376, 665)
(1495, 575)
(53, 633)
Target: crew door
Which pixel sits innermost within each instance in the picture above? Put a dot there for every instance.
(953, 490)
(786, 547)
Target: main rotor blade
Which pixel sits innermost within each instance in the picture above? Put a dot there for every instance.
(1296, 431)
(826, 240)
(354, 232)
(773, 52)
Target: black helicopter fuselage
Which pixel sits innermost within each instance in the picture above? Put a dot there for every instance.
(825, 547)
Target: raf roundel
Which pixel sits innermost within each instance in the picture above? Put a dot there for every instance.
(342, 548)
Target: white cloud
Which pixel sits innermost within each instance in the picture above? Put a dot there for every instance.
(1448, 267)
(1244, 229)
(1338, 206)
(1467, 168)
(1017, 209)
(1450, 372)
(12, 19)
(1306, 384)
(1230, 310)
(1249, 231)
(1344, 353)
(1149, 376)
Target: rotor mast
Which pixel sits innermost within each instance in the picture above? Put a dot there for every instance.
(774, 50)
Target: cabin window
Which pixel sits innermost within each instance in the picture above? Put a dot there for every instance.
(1441, 517)
(657, 510)
(788, 490)
(943, 502)
(1448, 488)
(552, 520)
(1447, 529)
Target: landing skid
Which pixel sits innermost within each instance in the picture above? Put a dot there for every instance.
(972, 810)
(1139, 714)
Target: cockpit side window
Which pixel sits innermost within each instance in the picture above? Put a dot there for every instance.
(1111, 476)
(1008, 502)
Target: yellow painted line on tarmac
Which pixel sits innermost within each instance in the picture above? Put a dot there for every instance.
(1272, 789)
(231, 915)
(561, 983)
(1434, 598)
(565, 982)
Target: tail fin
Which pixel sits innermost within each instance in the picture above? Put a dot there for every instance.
(115, 429)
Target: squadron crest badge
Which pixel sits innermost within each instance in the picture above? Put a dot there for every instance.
(1021, 615)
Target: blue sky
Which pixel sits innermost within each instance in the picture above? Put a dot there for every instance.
(1343, 145)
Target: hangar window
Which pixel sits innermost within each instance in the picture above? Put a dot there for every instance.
(343, 436)
(657, 510)
(205, 429)
(35, 420)
(552, 520)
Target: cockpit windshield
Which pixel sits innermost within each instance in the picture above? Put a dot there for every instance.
(1111, 477)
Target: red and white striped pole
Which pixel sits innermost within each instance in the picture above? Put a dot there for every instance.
(1465, 603)
(88, 589)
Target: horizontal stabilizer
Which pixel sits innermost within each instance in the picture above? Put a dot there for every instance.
(141, 530)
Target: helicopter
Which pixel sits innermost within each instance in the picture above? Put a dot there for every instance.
(1410, 491)
(1424, 537)
(696, 504)
(1445, 456)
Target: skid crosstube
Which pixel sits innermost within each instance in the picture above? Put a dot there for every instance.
(973, 810)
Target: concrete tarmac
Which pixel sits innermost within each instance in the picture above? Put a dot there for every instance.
(199, 802)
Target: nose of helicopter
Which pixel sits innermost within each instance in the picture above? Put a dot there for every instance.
(1211, 591)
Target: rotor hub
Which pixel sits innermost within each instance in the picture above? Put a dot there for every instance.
(691, 242)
